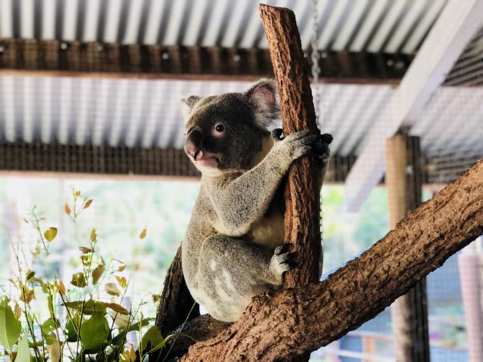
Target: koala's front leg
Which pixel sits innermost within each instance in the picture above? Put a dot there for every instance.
(321, 150)
(242, 201)
(233, 270)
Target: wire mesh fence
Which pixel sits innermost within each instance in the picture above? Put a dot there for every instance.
(121, 125)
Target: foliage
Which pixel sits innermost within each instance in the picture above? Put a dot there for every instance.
(80, 327)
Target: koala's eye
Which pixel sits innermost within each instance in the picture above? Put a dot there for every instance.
(219, 128)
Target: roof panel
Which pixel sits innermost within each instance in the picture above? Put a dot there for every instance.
(359, 23)
(6, 24)
(146, 112)
(112, 20)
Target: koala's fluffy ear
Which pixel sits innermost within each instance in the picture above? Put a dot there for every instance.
(187, 105)
(263, 96)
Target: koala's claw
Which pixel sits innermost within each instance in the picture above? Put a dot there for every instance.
(326, 138)
(277, 134)
(290, 259)
(321, 148)
(283, 260)
(300, 143)
(283, 249)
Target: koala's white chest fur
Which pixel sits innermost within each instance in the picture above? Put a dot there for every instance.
(268, 231)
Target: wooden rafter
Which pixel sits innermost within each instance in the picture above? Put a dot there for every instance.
(61, 58)
(455, 26)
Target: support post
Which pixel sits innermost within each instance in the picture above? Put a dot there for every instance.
(469, 267)
(409, 312)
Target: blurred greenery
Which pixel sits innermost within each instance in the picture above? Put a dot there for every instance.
(348, 234)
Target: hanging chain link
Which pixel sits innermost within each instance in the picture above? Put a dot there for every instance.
(315, 58)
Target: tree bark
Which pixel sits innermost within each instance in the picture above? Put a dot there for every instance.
(176, 301)
(302, 194)
(404, 184)
(295, 321)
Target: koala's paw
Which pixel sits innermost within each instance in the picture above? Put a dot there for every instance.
(277, 134)
(302, 143)
(321, 147)
(282, 260)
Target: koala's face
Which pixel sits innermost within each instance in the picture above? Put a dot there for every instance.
(223, 133)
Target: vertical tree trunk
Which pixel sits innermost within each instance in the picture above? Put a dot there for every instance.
(302, 216)
(409, 312)
(302, 195)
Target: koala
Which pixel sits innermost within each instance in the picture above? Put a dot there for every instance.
(233, 249)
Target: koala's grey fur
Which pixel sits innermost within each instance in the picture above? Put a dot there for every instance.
(233, 246)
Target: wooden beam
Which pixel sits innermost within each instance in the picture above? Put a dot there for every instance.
(74, 59)
(404, 186)
(459, 20)
(142, 163)
(89, 159)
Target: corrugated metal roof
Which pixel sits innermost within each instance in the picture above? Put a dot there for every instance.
(392, 26)
(146, 112)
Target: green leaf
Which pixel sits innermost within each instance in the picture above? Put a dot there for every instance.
(117, 340)
(161, 344)
(71, 332)
(23, 350)
(94, 331)
(152, 336)
(97, 273)
(78, 280)
(10, 327)
(50, 234)
(168, 338)
(30, 275)
(136, 326)
(49, 326)
(116, 308)
(89, 307)
(45, 288)
(50, 340)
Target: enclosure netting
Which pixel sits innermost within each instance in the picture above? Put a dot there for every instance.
(133, 126)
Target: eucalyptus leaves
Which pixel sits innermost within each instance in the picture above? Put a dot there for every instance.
(89, 329)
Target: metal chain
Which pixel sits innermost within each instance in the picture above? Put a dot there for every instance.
(316, 96)
(315, 58)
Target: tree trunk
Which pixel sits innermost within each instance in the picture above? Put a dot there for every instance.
(292, 322)
(302, 194)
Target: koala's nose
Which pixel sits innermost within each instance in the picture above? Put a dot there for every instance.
(193, 142)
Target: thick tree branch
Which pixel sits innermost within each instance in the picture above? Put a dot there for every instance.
(302, 197)
(291, 322)
(176, 301)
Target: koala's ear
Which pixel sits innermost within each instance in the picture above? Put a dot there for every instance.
(263, 96)
(187, 105)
